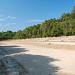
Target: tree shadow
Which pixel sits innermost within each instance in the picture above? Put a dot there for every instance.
(7, 50)
(34, 64)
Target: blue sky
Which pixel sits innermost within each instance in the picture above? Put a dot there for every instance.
(18, 14)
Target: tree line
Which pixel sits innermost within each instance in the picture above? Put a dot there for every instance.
(63, 26)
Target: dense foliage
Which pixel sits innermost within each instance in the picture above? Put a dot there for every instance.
(65, 25)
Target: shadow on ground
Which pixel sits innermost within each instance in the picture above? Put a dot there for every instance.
(33, 64)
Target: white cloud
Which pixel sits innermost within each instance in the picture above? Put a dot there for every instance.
(13, 23)
(4, 18)
(10, 17)
(35, 20)
(1, 25)
(9, 23)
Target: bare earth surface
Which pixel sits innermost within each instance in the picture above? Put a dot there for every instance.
(40, 56)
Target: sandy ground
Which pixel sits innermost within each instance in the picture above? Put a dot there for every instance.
(46, 57)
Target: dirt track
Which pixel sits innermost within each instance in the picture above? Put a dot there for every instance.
(41, 59)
